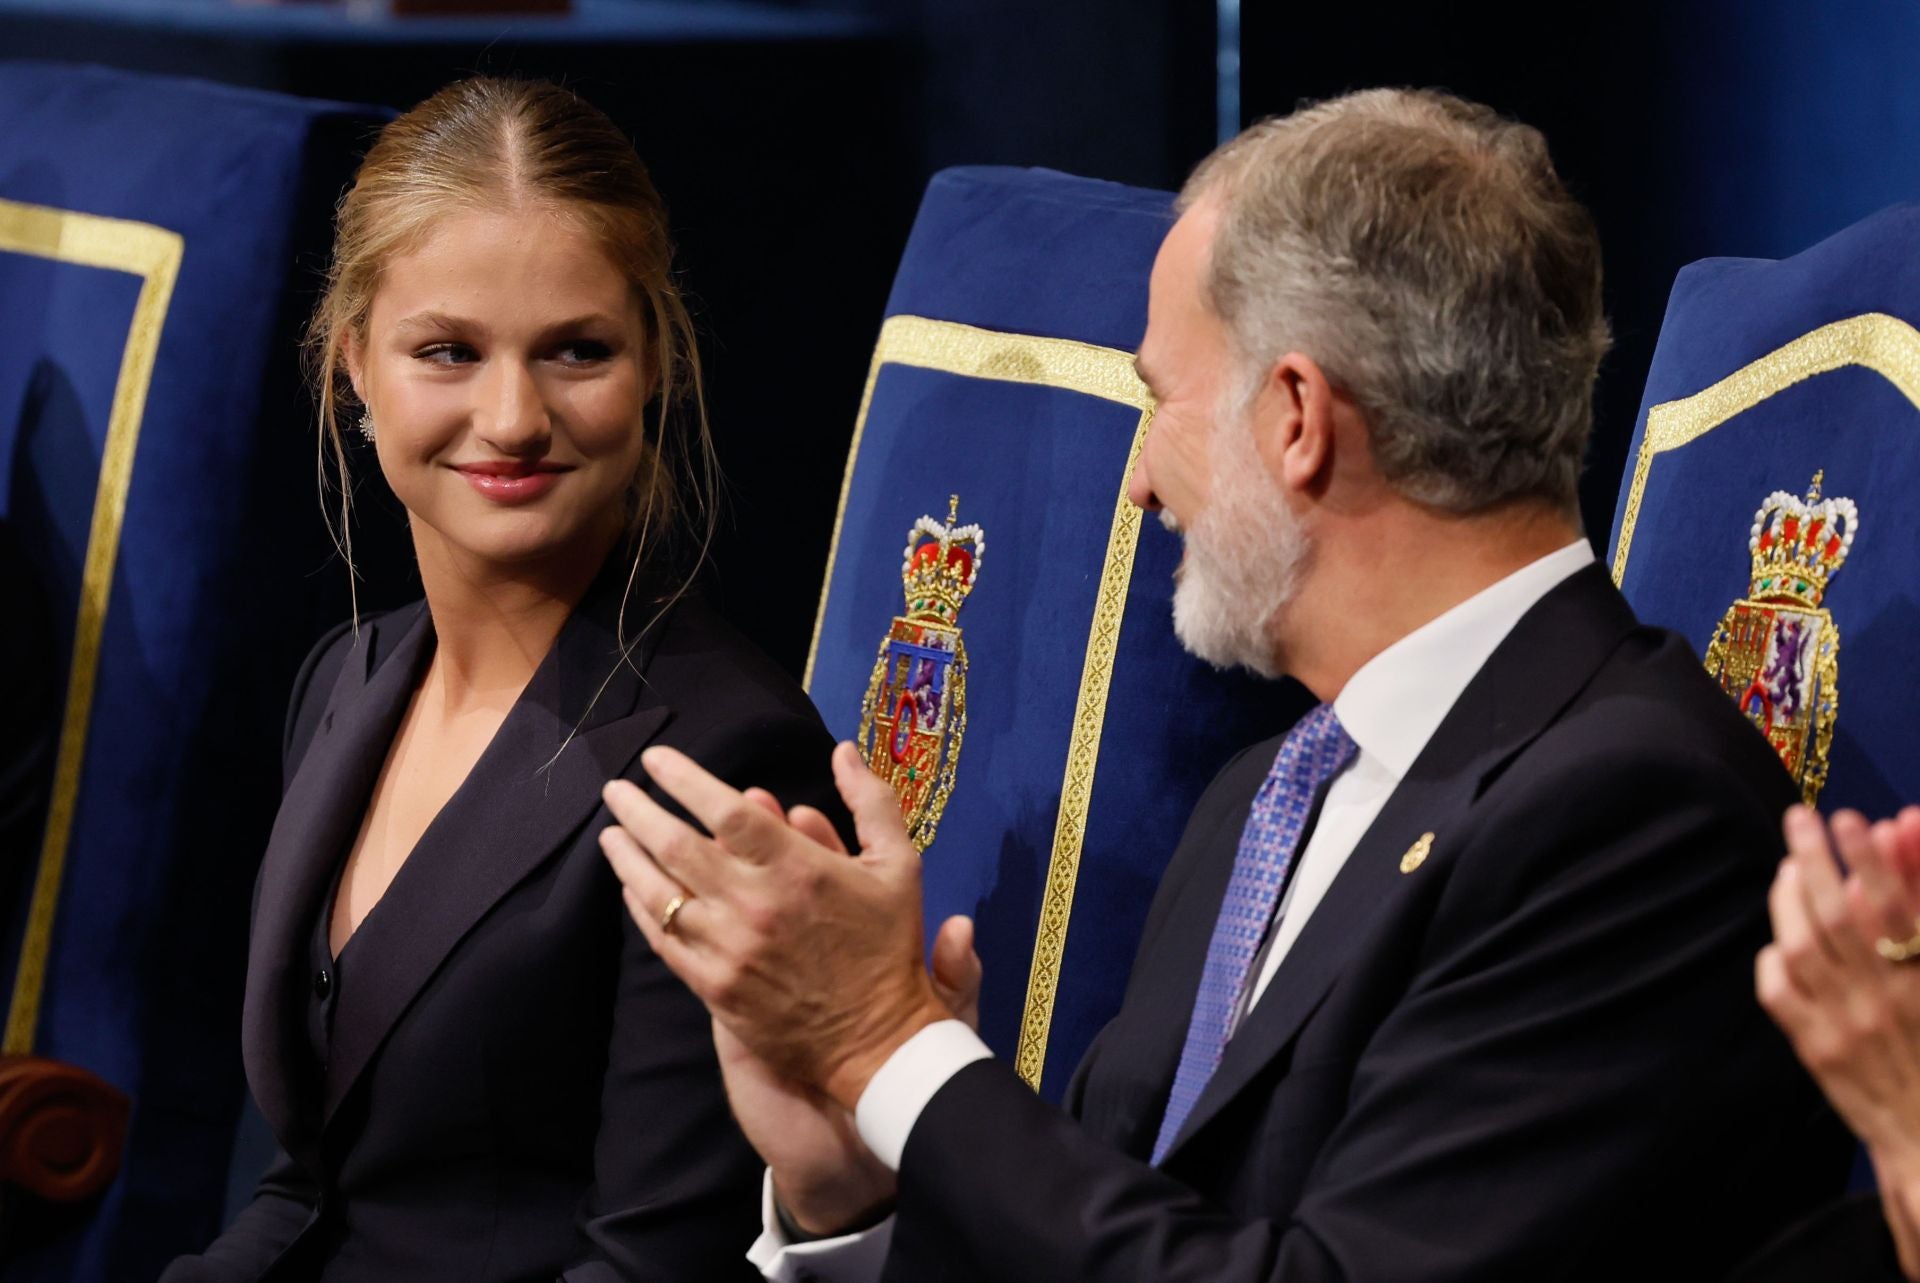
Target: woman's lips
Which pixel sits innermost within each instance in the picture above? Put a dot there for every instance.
(511, 483)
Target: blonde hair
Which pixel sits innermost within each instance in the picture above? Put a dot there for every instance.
(489, 142)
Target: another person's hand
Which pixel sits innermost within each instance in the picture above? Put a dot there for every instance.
(1842, 978)
(825, 1179)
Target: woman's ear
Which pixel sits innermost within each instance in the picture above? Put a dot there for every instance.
(354, 358)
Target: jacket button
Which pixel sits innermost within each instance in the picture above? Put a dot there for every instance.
(322, 983)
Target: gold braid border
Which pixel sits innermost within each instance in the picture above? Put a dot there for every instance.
(153, 254)
(1884, 344)
(1101, 372)
(1076, 792)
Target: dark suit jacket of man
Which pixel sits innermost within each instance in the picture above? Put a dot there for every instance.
(1534, 1056)
(514, 1085)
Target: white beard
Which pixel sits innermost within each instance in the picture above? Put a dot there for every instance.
(1244, 554)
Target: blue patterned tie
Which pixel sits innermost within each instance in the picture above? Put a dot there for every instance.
(1315, 751)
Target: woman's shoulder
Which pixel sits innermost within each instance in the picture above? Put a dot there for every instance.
(318, 672)
(700, 653)
(740, 714)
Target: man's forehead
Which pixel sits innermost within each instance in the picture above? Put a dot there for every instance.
(1173, 288)
(1184, 248)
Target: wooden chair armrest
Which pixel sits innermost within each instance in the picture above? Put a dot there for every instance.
(62, 1129)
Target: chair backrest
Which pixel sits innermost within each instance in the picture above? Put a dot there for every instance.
(1014, 670)
(1772, 378)
(156, 471)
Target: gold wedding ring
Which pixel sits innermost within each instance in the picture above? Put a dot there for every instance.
(668, 914)
(1907, 950)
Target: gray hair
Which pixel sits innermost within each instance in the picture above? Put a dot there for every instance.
(1424, 252)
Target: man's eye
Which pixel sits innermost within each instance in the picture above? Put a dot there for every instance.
(445, 354)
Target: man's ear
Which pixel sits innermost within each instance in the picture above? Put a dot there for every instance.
(1294, 422)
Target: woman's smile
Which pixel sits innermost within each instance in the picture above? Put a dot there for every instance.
(512, 481)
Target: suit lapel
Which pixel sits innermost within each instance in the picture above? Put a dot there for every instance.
(322, 810)
(582, 718)
(1529, 679)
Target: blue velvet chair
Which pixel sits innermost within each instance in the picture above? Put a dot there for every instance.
(995, 631)
(1768, 510)
(157, 492)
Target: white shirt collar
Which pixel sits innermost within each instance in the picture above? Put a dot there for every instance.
(1394, 703)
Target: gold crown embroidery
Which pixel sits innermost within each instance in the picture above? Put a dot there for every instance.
(914, 713)
(1777, 650)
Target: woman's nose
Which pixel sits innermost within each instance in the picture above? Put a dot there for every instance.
(513, 416)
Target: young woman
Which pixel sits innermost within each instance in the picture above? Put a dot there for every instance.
(475, 1066)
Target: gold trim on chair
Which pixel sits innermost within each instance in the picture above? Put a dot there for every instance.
(1102, 372)
(1884, 344)
(153, 254)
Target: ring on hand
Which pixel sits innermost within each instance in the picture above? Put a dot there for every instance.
(672, 911)
(1907, 950)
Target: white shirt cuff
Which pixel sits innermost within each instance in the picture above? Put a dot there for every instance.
(845, 1258)
(896, 1095)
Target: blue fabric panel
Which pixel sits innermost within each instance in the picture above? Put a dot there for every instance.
(1039, 469)
(207, 611)
(1033, 252)
(1689, 560)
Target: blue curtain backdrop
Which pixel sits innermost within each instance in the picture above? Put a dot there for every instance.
(1696, 129)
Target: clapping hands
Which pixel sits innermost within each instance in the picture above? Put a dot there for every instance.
(808, 957)
(1842, 978)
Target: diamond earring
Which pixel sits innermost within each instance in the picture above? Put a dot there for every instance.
(366, 426)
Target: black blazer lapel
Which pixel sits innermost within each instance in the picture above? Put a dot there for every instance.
(322, 810)
(1550, 655)
(583, 717)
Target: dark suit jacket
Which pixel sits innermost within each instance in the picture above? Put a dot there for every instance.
(1535, 1056)
(1848, 1241)
(514, 1087)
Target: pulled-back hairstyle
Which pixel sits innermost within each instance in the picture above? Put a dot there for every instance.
(1424, 251)
(490, 143)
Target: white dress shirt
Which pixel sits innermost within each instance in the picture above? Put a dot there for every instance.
(1390, 707)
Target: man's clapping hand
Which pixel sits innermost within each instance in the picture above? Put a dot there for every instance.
(809, 959)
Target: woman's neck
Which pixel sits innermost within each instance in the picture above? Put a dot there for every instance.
(494, 624)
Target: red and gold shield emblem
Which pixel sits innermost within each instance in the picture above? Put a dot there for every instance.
(1777, 651)
(915, 710)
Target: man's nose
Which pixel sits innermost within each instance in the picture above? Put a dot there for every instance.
(1140, 483)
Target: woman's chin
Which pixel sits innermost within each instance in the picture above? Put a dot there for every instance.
(520, 544)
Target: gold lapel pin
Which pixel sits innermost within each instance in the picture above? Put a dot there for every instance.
(1416, 854)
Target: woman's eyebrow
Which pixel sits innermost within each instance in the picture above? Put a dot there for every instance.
(436, 321)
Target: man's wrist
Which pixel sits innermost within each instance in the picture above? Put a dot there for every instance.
(800, 1227)
(847, 1080)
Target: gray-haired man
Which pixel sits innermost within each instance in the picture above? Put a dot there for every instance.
(1451, 982)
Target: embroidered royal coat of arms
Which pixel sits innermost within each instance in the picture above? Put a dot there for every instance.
(915, 710)
(1777, 651)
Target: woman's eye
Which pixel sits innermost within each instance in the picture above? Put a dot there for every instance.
(445, 354)
(584, 351)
